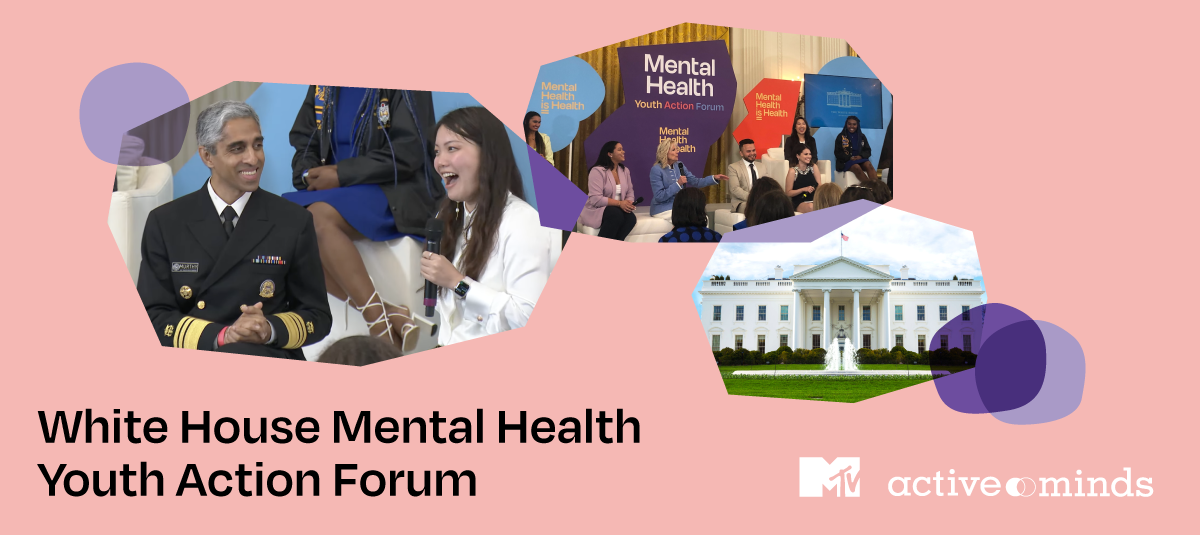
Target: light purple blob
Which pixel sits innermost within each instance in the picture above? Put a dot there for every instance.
(1062, 391)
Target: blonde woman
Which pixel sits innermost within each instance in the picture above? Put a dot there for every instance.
(827, 194)
(668, 176)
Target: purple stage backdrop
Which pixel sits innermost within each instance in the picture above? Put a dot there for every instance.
(683, 91)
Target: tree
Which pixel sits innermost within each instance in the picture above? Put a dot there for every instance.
(956, 277)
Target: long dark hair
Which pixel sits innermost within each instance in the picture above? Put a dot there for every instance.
(808, 140)
(541, 145)
(604, 160)
(688, 209)
(857, 192)
(359, 351)
(772, 206)
(759, 188)
(498, 176)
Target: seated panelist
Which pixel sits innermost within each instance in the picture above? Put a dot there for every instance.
(232, 268)
(742, 175)
(669, 176)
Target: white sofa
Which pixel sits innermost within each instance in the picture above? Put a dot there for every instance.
(648, 229)
(127, 212)
(846, 179)
(725, 220)
(395, 268)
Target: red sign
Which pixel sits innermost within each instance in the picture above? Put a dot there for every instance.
(771, 113)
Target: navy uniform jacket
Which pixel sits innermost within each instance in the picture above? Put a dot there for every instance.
(193, 279)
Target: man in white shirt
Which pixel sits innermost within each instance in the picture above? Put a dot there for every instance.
(742, 175)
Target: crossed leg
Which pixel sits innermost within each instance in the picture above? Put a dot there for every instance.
(346, 276)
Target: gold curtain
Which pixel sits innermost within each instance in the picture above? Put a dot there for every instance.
(604, 60)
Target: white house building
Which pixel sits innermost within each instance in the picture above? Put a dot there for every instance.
(864, 302)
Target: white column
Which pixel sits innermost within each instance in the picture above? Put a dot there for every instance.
(857, 320)
(795, 318)
(889, 340)
(825, 320)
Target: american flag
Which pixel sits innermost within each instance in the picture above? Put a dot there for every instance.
(845, 237)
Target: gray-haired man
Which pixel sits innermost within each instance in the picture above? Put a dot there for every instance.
(231, 268)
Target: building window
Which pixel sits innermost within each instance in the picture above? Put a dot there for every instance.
(900, 340)
(866, 341)
(920, 312)
(816, 313)
(945, 339)
(899, 312)
(942, 313)
(717, 313)
(762, 343)
(737, 341)
(967, 343)
(841, 312)
(716, 342)
(816, 341)
(866, 313)
(741, 311)
(966, 313)
(783, 340)
(762, 312)
(920, 343)
(783, 313)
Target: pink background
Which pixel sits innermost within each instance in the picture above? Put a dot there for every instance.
(1014, 123)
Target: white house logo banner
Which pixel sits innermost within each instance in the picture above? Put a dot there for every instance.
(840, 477)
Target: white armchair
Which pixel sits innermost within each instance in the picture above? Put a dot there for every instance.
(725, 220)
(128, 210)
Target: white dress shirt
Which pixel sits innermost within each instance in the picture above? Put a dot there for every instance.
(219, 204)
(511, 282)
(238, 206)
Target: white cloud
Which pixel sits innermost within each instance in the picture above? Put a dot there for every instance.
(930, 249)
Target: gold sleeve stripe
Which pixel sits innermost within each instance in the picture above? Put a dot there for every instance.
(295, 328)
(187, 333)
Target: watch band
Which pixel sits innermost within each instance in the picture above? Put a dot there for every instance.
(304, 178)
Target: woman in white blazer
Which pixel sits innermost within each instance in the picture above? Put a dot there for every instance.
(500, 252)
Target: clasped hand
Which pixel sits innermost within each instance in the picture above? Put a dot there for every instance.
(250, 328)
(627, 205)
(322, 178)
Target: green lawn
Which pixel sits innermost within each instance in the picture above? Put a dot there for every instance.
(731, 369)
(845, 389)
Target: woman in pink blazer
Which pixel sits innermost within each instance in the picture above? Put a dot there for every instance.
(610, 195)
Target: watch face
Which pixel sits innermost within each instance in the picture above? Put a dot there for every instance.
(461, 289)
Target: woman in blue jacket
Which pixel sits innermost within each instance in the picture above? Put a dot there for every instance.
(668, 177)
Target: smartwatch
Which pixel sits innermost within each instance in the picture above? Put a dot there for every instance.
(304, 177)
(461, 289)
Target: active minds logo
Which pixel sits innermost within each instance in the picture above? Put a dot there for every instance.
(840, 476)
(843, 99)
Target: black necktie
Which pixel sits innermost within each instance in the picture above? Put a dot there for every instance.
(227, 216)
(753, 173)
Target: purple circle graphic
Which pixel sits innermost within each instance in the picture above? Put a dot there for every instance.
(134, 114)
(1012, 366)
(1062, 391)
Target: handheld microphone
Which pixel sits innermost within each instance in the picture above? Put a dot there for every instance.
(638, 201)
(433, 243)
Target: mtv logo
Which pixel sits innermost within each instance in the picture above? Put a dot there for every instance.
(840, 476)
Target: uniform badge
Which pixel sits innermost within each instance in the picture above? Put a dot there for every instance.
(185, 267)
(385, 113)
(267, 289)
(167, 332)
(309, 324)
(200, 305)
(185, 292)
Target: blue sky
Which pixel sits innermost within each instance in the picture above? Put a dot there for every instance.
(930, 249)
